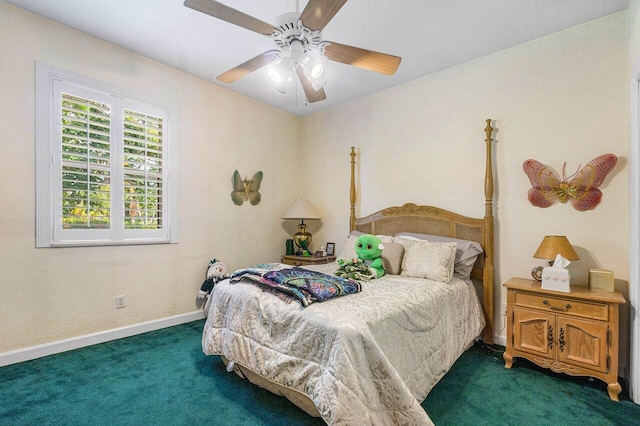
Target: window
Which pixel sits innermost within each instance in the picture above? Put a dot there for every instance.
(105, 161)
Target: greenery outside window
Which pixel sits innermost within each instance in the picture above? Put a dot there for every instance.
(105, 171)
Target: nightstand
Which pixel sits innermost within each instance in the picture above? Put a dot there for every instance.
(307, 260)
(574, 333)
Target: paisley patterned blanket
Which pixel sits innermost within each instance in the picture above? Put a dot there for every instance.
(297, 283)
(369, 358)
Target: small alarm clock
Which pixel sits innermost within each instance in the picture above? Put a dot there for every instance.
(601, 279)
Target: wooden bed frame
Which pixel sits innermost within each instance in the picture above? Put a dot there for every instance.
(418, 219)
(436, 221)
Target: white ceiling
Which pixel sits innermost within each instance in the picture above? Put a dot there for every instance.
(429, 35)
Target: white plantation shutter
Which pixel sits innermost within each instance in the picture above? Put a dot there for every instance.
(103, 165)
(144, 176)
(86, 163)
(142, 156)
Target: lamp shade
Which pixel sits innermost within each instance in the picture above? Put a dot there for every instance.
(301, 209)
(552, 245)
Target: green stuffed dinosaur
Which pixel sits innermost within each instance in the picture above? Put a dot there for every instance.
(368, 264)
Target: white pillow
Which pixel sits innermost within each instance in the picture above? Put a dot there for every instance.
(433, 261)
(349, 248)
(407, 240)
(384, 239)
(466, 253)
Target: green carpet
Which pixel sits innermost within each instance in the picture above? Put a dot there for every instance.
(162, 377)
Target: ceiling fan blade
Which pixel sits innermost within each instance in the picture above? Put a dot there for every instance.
(248, 67)
(233, 16)
(312, 95)
(317, 14)
(362, 58)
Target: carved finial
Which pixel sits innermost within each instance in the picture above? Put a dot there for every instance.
(488, 179)
(488, 130)
(352, 192)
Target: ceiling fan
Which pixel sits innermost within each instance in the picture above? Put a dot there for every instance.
(301, 48)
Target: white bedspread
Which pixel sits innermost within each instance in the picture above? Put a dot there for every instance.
(368, 358)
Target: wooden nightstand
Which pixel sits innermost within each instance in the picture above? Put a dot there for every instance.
(574, 333)
(309, 260)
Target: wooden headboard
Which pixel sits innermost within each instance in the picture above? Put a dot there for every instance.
(437, 221)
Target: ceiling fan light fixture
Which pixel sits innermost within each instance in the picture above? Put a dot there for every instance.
(281, 71)
(281, 86)
(318, 83)
(281, 79)
(317, 70)
(313, 67)
(312, 63)
(274, 75)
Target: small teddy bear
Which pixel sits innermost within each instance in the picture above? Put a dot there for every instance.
(216, 272)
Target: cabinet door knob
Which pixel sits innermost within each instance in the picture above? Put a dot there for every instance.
(550, 336)
(556, 308)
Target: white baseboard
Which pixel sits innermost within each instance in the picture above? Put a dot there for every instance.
(38, 351)
(500, 340)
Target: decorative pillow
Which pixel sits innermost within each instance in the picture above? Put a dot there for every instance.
(466, 253)
(392, 258)
(434, 261)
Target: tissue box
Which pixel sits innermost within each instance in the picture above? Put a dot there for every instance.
(556, 279)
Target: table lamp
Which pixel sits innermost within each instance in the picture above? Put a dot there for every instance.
(302, 209)
(550, 247)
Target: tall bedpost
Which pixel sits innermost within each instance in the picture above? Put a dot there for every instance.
(488, 272)
(352, 193)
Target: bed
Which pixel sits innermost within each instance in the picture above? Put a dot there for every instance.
(370, 357)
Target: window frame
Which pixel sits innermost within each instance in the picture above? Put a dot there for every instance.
(49, 232)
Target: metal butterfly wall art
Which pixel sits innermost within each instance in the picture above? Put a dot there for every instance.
(245, 189)
(581, 188)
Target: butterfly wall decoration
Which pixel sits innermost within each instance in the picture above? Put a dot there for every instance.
(581, 188)
(245, 189)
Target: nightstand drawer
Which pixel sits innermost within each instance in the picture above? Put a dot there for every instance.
(578, 308)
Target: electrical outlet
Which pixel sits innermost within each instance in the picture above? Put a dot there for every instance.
(504, 309)
(120, 301)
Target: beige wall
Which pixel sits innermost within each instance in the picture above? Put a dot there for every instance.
(634, 269)
(634, 31)
(560, 98)
(52, 294)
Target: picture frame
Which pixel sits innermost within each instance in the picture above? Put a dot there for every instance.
(331, 249)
